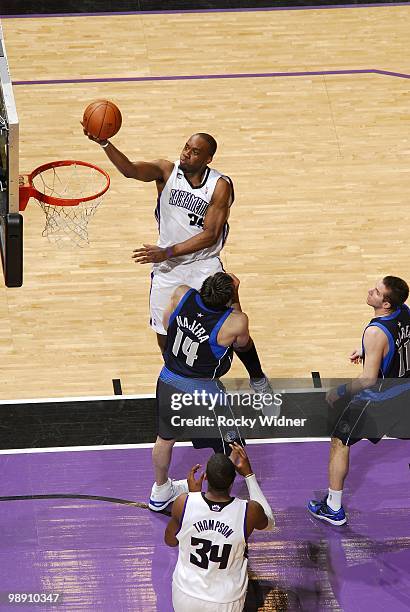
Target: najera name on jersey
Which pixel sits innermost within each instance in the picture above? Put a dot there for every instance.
(194, 327)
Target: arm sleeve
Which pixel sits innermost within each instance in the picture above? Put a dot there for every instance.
(255, 493)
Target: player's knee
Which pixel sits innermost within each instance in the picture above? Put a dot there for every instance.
(164, 441)
(337, 444)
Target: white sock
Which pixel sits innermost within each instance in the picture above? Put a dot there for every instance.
(334, 499)
(158, 487)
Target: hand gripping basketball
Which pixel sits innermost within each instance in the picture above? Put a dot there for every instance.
(101, 120)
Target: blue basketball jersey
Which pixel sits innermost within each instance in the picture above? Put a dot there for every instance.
(396, 326)
(192, 349)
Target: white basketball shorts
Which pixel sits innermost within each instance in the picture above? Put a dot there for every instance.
(185, 603)
(165, 279)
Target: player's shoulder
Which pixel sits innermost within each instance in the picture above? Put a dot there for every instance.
(223, 185)
(178, 505)
(238, 318)
(374, 334)
(257, 518)
(254, 506)
(223, 182)
(165, 166)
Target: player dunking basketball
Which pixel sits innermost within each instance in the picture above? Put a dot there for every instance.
(192, 214)
(212, 530)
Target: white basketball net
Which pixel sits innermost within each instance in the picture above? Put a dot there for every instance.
(68, 225)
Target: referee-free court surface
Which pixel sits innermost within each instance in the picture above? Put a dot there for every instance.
(310, 111)
(100, 552)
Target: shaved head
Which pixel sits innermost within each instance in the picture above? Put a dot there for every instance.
(210, 140)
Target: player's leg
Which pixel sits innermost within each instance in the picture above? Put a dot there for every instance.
(338, 465)
(248, 355)
(161, 459)
(257, 379)
(162, 287)
(219, 436)
(330, 508)
(164, 490)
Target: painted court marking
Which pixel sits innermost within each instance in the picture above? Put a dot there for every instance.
(112, 500)
(106, 447)
(193, 77)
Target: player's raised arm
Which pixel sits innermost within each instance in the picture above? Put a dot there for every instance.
(260, 515)
(158, 170)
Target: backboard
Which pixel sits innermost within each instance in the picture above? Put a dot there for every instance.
(11, 222)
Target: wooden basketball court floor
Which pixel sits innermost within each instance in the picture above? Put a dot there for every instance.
(311, 112)
(310, 109)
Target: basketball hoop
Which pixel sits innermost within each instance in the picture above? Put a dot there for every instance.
(69, 193)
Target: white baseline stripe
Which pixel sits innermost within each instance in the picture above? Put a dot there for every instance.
(91, 398)
(96, 398)
(75, 449)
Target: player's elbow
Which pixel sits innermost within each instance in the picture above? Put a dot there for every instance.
(170, 541)
(129, 172)
(267, 523)
(270, 524)
(129, 169)
(210, 237)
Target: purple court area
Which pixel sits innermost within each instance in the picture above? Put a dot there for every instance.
(107, 556)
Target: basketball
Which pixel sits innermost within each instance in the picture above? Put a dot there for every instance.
(102, 119)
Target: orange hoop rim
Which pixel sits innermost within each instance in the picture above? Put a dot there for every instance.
(56, 201)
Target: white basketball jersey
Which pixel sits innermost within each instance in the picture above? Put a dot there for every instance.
(212, 563)
(181, 209)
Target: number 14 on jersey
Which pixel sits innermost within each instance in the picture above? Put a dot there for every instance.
(189, 347)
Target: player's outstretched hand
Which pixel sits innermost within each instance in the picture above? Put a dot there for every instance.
(97, 140)
(240, 460)
(193, 484)
(149, 253)
(356, 356)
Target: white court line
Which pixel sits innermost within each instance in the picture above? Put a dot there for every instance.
(76, 449)
(91, 398)
(99, 398)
